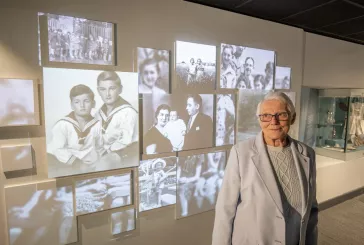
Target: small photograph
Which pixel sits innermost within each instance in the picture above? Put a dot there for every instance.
(199, 180)
(78, 40)
(17, 103)
(175, 122)
(246, 68)
(97, 194)
(195, 67)
(153, 70)
(157, 183)
(225, 119)
(96, 124)
(122, 221)
(40, 217)
(247, 121)
(16, 157)
(282, 78)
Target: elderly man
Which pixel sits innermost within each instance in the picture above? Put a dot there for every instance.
(268, 195)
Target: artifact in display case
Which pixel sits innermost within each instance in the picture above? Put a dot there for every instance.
(340, 125)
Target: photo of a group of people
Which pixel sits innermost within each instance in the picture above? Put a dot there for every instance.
(153, 70)
(195, 67)
(225, 119)
(199, 180)
(283, 78)
(78, 40)
(177, 122)
(157, 183)
(17, 103)
(246, 68)
(40, 217)
(95, 127)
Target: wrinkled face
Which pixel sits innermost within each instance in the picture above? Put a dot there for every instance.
(227, 56)
(173, 116)
(192, 107)
(248, 67)
(82, 105)
(274, 129)
(109, 91)
(162, 118)
(150, 75)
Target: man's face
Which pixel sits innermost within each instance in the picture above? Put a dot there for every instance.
(227, 56)
(192, 107)
(248, 67)
(274, 129)
(109, 91)
(150, 75)
(173, 116)
(82, 105)
(162, 118)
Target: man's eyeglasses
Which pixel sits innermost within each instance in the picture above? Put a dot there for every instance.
(281, 116)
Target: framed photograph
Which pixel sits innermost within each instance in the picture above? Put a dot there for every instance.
(247, 120)
(16, 157)
(95, 126)
(39, 216)
(66, 39)
(177, 122)
(153, 70)
(199, 180)
(283, 78)
(225, 119)
(195, 67)
(157, 183)
(246, 68)
(18, 102)
(102, 193)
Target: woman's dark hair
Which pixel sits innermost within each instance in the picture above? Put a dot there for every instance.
(161, 107)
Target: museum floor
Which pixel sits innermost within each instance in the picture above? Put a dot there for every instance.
(343, 224)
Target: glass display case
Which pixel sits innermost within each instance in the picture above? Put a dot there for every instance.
(340, 127)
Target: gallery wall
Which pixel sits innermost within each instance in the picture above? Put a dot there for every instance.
(154, 24)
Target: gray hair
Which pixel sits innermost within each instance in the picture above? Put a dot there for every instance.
(282, 97)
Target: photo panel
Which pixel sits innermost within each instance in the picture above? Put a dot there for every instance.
(282, 78)
(102, 193)
(199, 180)
(157, 183)
(16, 157)
(95, 126)
(195, 67)
(246, 68)
(153, 69)
(225, 119)
(38, 216)
(248, 122)
(18, 102)
(177, 122)
(122, 221)
(76, 40)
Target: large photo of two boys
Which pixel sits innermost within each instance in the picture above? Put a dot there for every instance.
(91, 120)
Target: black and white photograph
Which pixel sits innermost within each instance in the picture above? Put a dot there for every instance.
(95, 124)
(17, 103)
(40, 217)
(16, 157)
(78, 40)
(153, 70)
(199, 180)
(282, 78)
(246, 68)
(247, 119)
(175, 122)
(225, 119)
(122, 221)
(195, 67)
(97, 194)
(157, 183)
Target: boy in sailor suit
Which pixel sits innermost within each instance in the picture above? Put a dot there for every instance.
(119, 119)
(76, 138)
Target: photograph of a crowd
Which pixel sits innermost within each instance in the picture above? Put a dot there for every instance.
(153, 70)
(96, 124)
(157, 183)
(225, 119)
(40, 217)
(199, 180)
(282, 78)
(246, 68)
(195, 67)
(175, 122)
(78, 40)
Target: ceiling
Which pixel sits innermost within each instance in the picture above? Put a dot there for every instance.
(341, 19)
